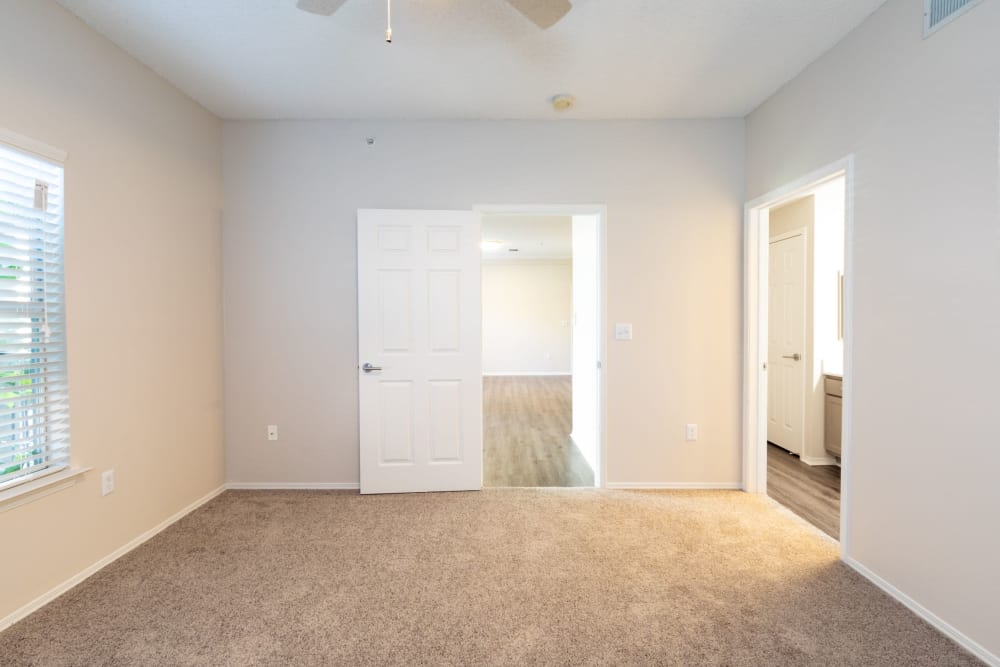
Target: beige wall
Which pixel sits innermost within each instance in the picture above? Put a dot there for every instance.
(674, 244)
(921, 117)
(788, 218)
(527, 308)
(143, 282)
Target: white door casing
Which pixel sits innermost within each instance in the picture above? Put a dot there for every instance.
(586, 352)
(786, 343)
(419, 321)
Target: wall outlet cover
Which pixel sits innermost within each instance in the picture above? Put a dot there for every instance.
(623, 331)
(107, 482)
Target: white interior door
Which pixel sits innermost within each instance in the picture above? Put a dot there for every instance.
(786, 343)
(420, 351)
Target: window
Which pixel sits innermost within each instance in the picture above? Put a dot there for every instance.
(34, 403)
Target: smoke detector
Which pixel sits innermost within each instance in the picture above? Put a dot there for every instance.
(563, 102)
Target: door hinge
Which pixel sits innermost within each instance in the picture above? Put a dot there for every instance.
(598, 365)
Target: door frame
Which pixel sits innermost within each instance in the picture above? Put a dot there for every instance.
(806, 360)
(756, 244)
(601, 211)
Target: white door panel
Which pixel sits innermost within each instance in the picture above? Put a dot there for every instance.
(786, 339)
(419, 321)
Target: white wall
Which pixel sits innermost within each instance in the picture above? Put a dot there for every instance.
(144, 291)
(922, 118)
(828, 267)
(674, 192)
(527, 308)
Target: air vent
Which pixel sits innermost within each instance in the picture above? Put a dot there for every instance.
(938, 13)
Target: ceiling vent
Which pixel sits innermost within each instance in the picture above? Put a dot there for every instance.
(938, 13)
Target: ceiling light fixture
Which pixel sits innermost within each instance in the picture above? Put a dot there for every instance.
(563, 102)
(489, 246)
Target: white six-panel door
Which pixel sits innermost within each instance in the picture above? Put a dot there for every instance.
(419, 330)
(786, 330)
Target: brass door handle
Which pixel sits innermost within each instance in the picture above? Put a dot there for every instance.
(796, 356)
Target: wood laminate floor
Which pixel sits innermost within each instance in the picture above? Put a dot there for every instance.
(812, 492)
(526, 426)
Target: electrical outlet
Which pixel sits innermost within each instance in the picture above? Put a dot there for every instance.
(623, 331)
(692, 432)
(272, 431)
(107, 482)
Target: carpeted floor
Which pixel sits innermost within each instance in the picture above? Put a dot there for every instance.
(505, 576)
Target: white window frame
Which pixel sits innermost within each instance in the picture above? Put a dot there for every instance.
(34, 485)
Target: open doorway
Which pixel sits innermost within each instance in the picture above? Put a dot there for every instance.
(798, 343)
(541, 349)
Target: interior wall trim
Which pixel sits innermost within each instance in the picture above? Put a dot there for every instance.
(676, 486)
(291, 486)
(926, 614)
(85, 573)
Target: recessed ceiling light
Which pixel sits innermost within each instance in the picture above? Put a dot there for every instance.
(489, 246)
(563, 102)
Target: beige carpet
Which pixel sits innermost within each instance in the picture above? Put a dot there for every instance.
(506, 576)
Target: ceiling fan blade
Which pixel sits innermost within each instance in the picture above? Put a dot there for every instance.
(543, 13)
(321, 7)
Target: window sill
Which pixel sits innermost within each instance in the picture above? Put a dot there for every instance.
(29, 492)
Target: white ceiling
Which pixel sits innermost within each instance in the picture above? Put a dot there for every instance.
(476, 59)
(534, 237)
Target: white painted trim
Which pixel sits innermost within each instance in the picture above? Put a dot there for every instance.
(79, 577)
(801, 231)
(926, 614)
(45, 484)
(29, 145)
(755, 246)
(528, 373)
(285, 486)
(562, 210)
(529, 261)
(601, 211)
(803, 185)
(676, 486)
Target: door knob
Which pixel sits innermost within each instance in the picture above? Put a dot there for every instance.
(795, 356)
(368, 368)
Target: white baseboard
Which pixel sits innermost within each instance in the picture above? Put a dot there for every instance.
(945, 628)
(677, 486)
(527, 373)
(284, 486)
(818, 460)
(77, 578)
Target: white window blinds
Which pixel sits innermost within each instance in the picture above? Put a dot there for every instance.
(34, 405)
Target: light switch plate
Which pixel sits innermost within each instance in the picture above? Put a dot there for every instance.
(272, 432)
(623, 331)
(107, 482)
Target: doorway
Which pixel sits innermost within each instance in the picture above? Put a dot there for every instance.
(798, 279)
(542, 351)
(420, 370)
